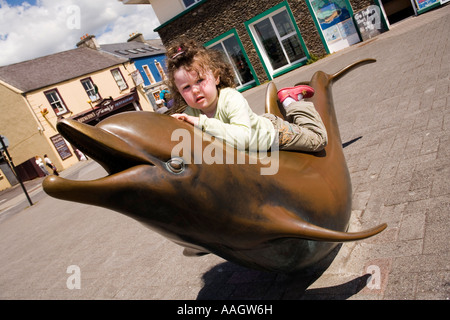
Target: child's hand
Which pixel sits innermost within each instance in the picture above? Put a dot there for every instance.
(190, 119)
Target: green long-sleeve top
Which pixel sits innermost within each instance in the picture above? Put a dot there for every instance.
(236, 123)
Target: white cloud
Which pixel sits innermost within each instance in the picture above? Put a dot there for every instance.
(30, 31)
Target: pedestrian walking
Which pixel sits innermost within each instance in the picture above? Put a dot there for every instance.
(50, 164)
(41, 165)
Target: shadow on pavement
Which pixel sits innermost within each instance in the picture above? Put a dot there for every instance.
(228, 281)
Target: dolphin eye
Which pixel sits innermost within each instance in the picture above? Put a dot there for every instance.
(175, 165)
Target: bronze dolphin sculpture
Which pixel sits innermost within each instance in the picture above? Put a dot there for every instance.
(279, 222)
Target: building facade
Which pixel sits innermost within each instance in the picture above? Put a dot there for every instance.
(264, 39)
(85, 84)
(149, 58)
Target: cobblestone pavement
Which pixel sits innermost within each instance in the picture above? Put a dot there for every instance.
(395, 122)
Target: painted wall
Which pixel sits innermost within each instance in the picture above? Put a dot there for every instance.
(77, 101)
(150, 62)
(21, 127)
(167, 9)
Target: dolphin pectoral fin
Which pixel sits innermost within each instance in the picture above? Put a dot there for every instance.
(190, 252)
(290, 225)
(272, 105)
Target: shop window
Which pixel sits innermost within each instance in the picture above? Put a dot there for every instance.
(119, 79)
(233, 52)
(278, 40)
(56, 102)
(334, 18)
(91, 89)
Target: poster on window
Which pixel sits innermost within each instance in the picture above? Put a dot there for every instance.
(424, 5)
(336, 24)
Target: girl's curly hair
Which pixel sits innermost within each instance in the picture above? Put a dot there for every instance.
(191, 56)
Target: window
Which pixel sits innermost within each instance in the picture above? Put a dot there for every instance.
(190, 3)
(277, 40)
(91, 89)
(148, 73)
(119, 79)
(234, 53)
(160, 70)
(56, 102)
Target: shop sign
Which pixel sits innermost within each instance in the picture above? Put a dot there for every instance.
(137, 78)
(424, 5)
(61, 146)
(87, 117)
(369, 22)
(106, 107)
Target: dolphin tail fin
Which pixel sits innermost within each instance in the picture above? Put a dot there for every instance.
(346, 69)
(272, 103)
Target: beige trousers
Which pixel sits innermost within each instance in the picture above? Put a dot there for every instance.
(304, 131)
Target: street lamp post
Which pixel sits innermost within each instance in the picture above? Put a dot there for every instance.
(4, 147)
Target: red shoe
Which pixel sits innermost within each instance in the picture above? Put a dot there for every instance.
(293, 92)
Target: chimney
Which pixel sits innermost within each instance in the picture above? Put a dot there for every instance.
(88, 41)
(136, 37)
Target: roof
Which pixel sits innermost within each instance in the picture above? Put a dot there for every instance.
(135, 49)
(55, 68)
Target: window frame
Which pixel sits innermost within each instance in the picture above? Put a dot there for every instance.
(191, 5)
(93, 86)
(60, 100)
(160, 69)
(225, 36)
(249, 25)
(122, 78)
(148, 73)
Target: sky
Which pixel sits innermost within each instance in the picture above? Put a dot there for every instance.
(35, 28)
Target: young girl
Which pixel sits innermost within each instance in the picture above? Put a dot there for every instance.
(200, 78)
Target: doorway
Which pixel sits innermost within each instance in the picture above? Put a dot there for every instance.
(397, 10)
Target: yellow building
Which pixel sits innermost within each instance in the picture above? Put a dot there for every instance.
(85, 84)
